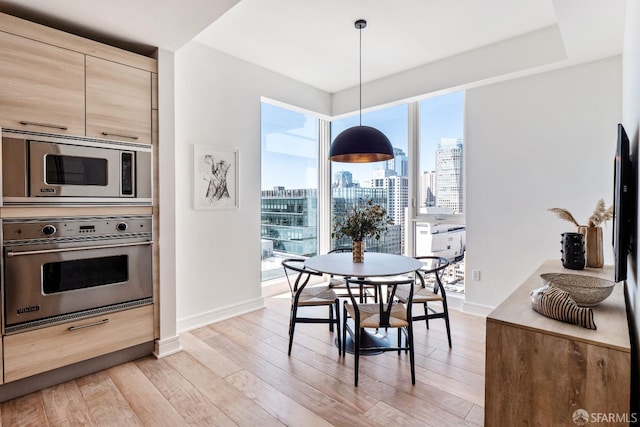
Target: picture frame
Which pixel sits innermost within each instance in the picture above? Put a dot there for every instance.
(215, 182)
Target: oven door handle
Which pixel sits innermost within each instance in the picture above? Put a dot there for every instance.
(82, 248)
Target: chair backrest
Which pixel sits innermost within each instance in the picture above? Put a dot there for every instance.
(384, 309)
(295, 267)
(433, 265)
(341, 249)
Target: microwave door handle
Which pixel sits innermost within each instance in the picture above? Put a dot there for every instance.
(82, 248)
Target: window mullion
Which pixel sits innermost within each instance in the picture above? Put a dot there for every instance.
(324, 187)
(413, 124)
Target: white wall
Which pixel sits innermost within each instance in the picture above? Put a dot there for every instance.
(533, 143)
(168, 342)
(631, 122)
(218, 252)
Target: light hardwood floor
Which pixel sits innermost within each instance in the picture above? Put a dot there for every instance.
(237, 372)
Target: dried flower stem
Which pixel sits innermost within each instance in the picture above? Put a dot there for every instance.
(598, 217)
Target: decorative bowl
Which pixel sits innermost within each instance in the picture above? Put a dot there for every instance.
(586, 291)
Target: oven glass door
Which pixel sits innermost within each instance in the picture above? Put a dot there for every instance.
(64, 276)
(42, 282)
(62, 170)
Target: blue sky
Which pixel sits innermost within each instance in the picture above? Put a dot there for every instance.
(289, 139)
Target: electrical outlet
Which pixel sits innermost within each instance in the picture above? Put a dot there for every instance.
(475, 275)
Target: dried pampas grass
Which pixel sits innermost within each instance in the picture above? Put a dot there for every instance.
(564, 214)
(600, 214)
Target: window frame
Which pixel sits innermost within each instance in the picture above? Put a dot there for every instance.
(413, 152)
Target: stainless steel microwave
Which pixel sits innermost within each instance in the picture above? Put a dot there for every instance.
(44, 169)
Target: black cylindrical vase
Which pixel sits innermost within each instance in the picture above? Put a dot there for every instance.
(573, 251)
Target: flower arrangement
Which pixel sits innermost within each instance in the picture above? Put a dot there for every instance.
(599, 216)
(364, 220)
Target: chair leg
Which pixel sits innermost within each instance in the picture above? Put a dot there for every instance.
(337, 308)
(292, 327)
(399, 331)
(344, 331)
(411, 355)
(356, 352)
(330, 319)
(426, 314)
(446, 321)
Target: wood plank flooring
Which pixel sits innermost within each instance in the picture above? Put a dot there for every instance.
(237, 373)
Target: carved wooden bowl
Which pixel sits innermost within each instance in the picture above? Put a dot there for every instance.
(586, 291)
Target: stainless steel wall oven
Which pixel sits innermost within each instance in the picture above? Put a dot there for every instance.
(56, 270)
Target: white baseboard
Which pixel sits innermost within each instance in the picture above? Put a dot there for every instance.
(167, 347)
(213, 316)
(274, 287)
(476, 309)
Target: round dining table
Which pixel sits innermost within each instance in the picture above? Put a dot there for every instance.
(375, 265)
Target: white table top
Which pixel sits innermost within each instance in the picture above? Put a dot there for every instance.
(375, 264)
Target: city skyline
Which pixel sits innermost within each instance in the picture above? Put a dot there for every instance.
(290, 139)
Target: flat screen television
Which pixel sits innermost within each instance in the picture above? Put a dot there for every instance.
(623, 205)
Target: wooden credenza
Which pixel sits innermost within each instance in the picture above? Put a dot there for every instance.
(540, 371)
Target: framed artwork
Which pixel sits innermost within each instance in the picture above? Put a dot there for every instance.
(215, 178)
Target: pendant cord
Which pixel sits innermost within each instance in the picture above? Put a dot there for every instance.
(360, 72)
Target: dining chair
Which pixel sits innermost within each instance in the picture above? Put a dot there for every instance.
(305, 295)
(339, 284)
(379, 315)
(423, 294)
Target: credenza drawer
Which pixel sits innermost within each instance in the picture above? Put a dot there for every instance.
(41, 350)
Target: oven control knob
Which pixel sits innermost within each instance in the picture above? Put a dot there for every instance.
(48, 230)
(122, 226)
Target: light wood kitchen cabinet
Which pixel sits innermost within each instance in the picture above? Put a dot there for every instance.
(40, 350)
(118, 101)
(540, 371)
(83, 88)
(41, 87)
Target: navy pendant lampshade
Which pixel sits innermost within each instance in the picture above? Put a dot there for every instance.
(361, 144)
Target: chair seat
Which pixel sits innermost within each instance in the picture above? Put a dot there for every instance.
(370, 315)
(420, 294)
(317, 295)
(337, 282)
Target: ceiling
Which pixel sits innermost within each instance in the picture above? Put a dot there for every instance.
(315, 42)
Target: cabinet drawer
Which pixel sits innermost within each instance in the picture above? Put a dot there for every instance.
(41, 350)
(41, 87)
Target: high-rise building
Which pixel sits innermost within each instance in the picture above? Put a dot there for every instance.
(344, 199)
(428, 189)
(449, 178)
(342, 179)
(290, 220)
(396, 190)
(399, 163)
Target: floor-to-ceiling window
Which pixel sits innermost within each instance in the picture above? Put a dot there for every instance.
(386, 183)
(289, 186)
(426, 204)
(440, 196)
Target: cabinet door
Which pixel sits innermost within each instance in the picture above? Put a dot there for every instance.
(118, 101)
(33, 352)
(41, 87)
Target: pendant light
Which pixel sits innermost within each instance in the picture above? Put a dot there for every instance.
(361, 144)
